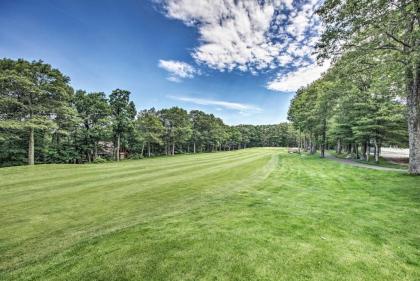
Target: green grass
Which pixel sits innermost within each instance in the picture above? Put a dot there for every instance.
(254, 214)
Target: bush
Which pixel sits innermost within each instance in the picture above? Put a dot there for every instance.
(99, 160)
(135, 156)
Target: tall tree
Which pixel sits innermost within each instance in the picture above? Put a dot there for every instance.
(93, 109)
(245, 135)
(388, 30)
(177, 127)
(199, 123)
(32, 95)
(123, 113)
(151, 128)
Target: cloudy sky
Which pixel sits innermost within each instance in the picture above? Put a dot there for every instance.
(241, 60)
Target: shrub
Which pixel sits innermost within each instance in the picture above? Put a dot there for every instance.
(99, 160)
(135, 156)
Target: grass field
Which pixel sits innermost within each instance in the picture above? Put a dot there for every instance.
(254, 214)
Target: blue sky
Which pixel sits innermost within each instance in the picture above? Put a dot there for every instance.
(241, 60)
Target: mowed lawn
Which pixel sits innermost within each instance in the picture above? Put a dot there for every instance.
(254, 214)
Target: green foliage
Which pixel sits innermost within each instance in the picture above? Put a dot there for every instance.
(177, 127)
(377, 46)
(135, 156)
(94, 113)
(351, 109)
(80, 127)
(33, 97)
(99, 160)
(123, 111)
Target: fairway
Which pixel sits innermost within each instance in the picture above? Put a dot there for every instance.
(252, 214)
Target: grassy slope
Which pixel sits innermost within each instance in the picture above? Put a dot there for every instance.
(257, 214)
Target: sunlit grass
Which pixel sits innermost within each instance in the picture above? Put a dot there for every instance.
(255, 214)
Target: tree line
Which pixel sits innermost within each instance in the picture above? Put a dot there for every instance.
(371, 94)
(354, 112)
(43, 120)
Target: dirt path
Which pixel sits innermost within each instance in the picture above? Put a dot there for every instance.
(361, 165)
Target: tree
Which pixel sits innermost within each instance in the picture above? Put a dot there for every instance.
(356, 109)
(177, 127)
(123, 113)
(388, 30)
(217, 133)
(303, 112)
(199, 128)
(151, 128)
(32, 95)
(235, 138)
(42, 118)
(93, 109)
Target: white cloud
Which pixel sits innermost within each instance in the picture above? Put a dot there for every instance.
(301, 20)
(219, 103)
(174, 79)
(288, 3)
(252, 36)
(294, 80)
(239, 34)
(177, 70)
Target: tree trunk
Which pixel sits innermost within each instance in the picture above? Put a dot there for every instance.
(142, 149)
(194, 147)
(118, 147)
(376, 151)
(368, 151)
(365, 151)
(148, 149)
(310, 146)
(362, 155)
(31, 148)
(340, 148)
(324, 138)
(356, 146)
(337, 147)
(300, 141)
(173, 149)
(413, 106)
(95, 150)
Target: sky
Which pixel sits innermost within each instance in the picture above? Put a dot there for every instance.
(240, 60)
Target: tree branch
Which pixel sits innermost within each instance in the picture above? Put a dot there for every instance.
(397, 40)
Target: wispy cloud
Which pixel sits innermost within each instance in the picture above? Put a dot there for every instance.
(177, 70)
(300, 78)
(241, 107)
